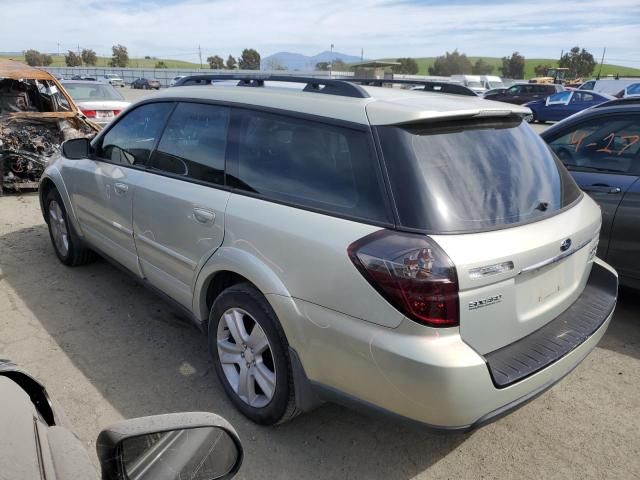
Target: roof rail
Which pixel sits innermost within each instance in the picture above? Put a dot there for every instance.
(619, 101)
(429, 86)
(343, 87)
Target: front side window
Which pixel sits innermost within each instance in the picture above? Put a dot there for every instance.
(610, 145)
(194, 143)
(515, 90)
(309, 164)
(559, 98)
(588, 85)
(462, 176)
(633, 89)
(129, 142)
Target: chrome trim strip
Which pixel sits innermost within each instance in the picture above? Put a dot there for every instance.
(557, 258)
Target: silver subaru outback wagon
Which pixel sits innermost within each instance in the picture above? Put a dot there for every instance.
(418, 253)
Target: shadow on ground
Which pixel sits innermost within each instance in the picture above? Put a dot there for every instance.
(145, 359)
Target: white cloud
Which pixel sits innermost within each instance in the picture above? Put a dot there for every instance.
(384, 29)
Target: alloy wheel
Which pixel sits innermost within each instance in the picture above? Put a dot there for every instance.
(58, 226)
(246, 357)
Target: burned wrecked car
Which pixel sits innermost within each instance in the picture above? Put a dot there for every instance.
(36, 116)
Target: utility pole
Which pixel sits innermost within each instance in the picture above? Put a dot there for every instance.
(58, 48)
(331, 63)
(601, 62)
(362, 54)
(200, 53)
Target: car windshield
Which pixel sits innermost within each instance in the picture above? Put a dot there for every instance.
(473, 175)
(87, 92)
(633, 89)
(474, 83)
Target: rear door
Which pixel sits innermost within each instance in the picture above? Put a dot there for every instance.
(602, 156)
(179, 206)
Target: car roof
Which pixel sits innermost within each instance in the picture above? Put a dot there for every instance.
(20, 71)
(384, 106)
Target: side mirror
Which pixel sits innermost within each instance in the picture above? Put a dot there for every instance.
(76, 148)
(198, 446)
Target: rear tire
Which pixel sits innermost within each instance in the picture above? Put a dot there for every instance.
(256, 373)
(66, 243)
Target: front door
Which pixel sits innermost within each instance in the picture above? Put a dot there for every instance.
(102, 187)
(180, 204)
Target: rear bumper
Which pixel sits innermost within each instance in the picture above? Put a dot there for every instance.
(427, 375)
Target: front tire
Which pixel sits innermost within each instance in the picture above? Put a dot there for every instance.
(65, 243)
(251, 355)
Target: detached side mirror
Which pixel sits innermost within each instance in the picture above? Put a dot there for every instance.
(76, 148)
(197, 445)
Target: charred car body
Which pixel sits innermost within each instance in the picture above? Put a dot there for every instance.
(36, 116)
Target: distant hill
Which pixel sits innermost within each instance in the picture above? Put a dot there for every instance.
(530, 63)
(297, 61)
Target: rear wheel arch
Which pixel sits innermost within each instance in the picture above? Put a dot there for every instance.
(46, 185)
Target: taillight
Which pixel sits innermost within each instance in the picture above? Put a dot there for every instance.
(412, 273)
(89, 113)
(116, 113)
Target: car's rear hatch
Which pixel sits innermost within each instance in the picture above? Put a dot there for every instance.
(506, 212)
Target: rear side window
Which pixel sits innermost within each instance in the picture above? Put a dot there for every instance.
(130, 140)
(473, 175)
(308, 163)
(194, 143)
(610, 144)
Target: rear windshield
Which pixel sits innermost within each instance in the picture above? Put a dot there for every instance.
(92, 92)
(475, 175)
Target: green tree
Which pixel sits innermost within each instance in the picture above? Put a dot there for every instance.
(453, 63)
(119, 57)
(33, 58)
(513, 66)
(231, 64)
(72, 59)
(216, 62)
(540, 70)
(89, 57)
(322, 66)
(481, 68)
(407, 65)
(47, 59)
(161, 64)
(249, 60)
(579, 62)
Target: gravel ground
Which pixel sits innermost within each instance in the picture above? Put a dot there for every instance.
(108, 349)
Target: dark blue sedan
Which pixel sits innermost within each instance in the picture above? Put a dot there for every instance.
(564, 104)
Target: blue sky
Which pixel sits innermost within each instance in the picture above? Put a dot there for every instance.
(383, 28)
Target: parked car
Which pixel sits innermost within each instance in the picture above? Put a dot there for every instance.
(632, 90)
(564, 104)
(494, 91)
(601, 148)
(113, 79)
(521, 93)
(175, 79)
(84, 77)
(610, 86)
(474, 82)
(98, 101)
(146, 83)
(36, 116)
(450, 290)
(36, 444)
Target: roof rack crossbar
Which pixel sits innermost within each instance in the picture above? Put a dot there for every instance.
(342, 87)
(429, 85)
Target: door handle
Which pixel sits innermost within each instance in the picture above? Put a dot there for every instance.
(601, 188)
(202, 215)
(121, 188)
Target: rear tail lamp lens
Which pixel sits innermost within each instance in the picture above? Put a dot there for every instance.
(412, 273)
(89, 113)
(116, 113)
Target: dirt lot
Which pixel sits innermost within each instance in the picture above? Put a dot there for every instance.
(108, 349)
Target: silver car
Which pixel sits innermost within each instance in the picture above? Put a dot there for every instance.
(98, 101)
(420, 254)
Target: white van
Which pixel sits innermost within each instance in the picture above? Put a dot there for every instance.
(491, 81)
(473, 82)
(607, 85)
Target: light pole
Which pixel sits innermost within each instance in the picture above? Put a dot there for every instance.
(331, 63)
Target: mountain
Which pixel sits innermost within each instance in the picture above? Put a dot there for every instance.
(297, 61)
